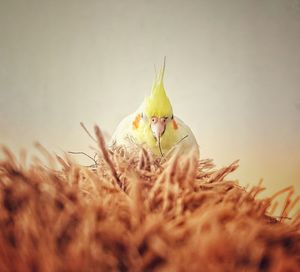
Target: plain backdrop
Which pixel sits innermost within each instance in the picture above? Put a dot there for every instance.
(233, 75)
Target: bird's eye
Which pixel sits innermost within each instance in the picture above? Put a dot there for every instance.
(154, 119)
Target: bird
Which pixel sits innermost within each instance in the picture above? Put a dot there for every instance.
(154, 126)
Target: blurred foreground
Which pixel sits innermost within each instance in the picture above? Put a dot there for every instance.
(135, 213)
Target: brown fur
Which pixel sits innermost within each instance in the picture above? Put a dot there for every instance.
(133, 213)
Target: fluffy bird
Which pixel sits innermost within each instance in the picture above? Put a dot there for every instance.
(155, 127)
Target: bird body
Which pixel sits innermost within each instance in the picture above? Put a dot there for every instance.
(155, 127)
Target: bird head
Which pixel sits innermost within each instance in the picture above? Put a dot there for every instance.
(157, 110)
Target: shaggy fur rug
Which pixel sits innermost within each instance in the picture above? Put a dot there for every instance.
(131, 212)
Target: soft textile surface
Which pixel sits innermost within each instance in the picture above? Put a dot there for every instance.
(131, 212)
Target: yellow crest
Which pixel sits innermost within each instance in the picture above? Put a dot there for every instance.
(158, 104)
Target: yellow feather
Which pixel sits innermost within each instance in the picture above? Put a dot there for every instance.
(158, 104)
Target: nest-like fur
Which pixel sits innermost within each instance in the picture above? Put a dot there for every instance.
(133, 213)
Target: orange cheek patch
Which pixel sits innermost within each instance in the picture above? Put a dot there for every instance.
(175, 126)
(136, 121)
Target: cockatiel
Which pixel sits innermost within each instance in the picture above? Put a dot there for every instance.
(155, 127)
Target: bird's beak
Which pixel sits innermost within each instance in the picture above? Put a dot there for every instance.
(158, 126)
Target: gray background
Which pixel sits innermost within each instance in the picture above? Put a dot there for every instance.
(233, 75)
